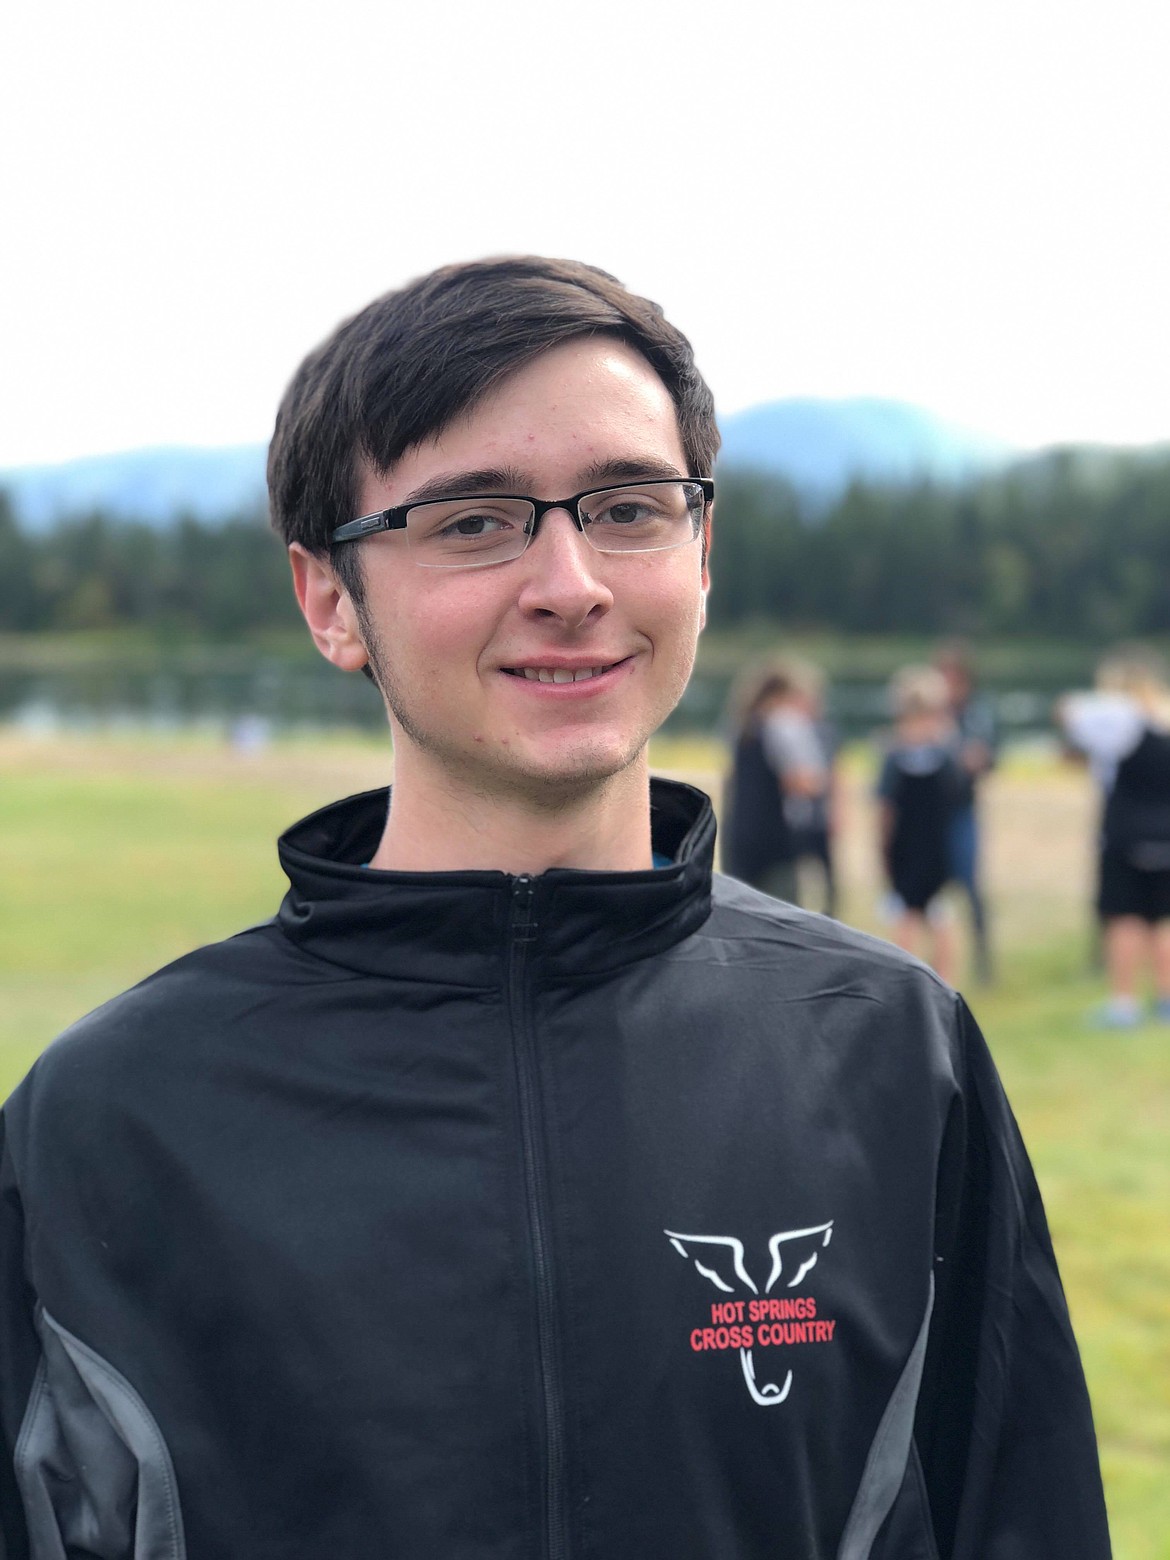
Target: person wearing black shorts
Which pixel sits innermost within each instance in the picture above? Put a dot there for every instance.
(918, 790)
(1126, 889)
(1124, 730)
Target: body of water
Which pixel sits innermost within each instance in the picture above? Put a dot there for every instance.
(260, 693)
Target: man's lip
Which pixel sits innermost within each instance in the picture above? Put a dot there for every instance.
(570, 668)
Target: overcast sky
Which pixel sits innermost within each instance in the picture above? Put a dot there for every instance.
(964, 206)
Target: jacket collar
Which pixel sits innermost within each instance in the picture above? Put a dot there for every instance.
(455, 927)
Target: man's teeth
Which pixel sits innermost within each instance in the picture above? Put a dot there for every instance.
(560, 674)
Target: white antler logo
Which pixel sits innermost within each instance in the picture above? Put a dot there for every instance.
(720, 1259)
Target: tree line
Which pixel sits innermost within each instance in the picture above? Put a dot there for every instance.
(1072, 544)
(100, 571)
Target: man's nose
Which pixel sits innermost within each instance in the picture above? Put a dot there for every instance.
(562, 573)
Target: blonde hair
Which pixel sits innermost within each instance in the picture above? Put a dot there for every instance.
(919, 690)
(1140, 673)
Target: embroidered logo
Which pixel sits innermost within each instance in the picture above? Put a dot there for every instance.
(767, 1320)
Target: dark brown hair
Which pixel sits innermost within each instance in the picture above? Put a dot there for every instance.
(400, 370)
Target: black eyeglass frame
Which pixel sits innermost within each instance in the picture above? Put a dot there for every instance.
(395, 519)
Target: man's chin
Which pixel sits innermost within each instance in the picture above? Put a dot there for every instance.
(551, 782)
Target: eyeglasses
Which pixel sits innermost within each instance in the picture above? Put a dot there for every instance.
(470, 533)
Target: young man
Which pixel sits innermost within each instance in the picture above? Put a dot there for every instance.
(517, 1192)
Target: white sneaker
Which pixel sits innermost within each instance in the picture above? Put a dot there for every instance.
(1117, 1013)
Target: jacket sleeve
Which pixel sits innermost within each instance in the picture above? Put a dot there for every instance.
(19, 1354)
(1004, 1428)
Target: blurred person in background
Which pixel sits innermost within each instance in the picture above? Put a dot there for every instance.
(919, 786)
(976, 745)
(815, 813)
(774, 795)
(1122, 728)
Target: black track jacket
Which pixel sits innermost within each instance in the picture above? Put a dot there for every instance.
(592, 1216)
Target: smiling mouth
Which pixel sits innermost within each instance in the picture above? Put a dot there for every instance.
(558, 674)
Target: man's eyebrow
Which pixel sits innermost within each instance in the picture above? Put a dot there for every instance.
(507, 479)
(456, 484)
(639, 468)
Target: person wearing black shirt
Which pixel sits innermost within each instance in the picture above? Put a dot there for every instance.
(523, 1188)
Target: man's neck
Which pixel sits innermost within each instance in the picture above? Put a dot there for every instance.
(437, 824)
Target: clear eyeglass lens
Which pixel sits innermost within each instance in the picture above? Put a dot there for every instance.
(645, 518)
(459, 532)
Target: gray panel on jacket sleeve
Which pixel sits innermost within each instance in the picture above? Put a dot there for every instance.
(885, 1467)
(93, 1468)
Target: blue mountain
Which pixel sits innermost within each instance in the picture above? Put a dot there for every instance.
(817, 445)
(820, 445)
(154, 484)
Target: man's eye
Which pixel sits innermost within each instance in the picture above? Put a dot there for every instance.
(626, 512)
(455, 523)
(627, 509)
(474, 525)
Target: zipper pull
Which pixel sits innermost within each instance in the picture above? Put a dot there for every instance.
(523, 898)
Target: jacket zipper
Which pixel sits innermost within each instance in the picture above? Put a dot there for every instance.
(523, 932)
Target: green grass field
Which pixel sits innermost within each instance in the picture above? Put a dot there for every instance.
(117, 855)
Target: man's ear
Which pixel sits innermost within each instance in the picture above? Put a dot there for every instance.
(327, 609)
